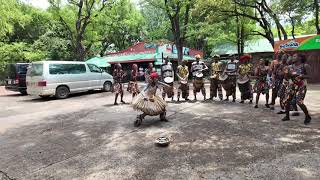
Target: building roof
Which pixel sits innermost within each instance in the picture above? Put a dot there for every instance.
(254, 46)
(98, 61)
(144, 52)
(131, 58)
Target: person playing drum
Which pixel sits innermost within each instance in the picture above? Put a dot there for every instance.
(230, 83)
(148, 102)
(244, 83)
(133, 84)
(215, 84)
(183, 74)
(261, 85)
(197, 69)
(167, 75)
(118, 75)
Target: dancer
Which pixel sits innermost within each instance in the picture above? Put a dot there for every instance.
(149, 102)
(197, 69)
(183, 74)
(118, 75)
(244, 83)
(277, 77)
(261, 85)
(215, 85)
(297, 86)
(133, 84)
(167, 75)
(230, 83)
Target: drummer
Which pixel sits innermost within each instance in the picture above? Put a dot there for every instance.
(197, 69)
(231, 71)
(167, 75)
(215, 84)
(244, 83)
(183, 74)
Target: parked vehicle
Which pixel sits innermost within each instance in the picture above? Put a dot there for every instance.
(61, 78)
(16, 77)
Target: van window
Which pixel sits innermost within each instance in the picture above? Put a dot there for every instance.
(11, 70)
(22, 68)
(36, 70)
(94, 68)
(67, 69)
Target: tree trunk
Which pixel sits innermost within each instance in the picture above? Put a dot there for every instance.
(293, 27)
(180, 51)
(279, 33)
(238, 34)
(316, 6)
(242, 39)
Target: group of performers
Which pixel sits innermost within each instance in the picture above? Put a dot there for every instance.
(287, 77)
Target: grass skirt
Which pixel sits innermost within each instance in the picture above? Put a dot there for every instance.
(151, 108)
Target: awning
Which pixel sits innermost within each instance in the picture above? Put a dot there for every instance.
(131, 58)
(98, 61)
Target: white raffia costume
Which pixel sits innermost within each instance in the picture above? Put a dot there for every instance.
(149, 103)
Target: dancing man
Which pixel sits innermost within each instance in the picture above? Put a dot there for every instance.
(297, 86)
(149, 102)
(133, 84)
(215, 85)
(261, 85)
(183, 74)
(244, 83)
(197, 69)
(118, 75)
(167, 75)
(231, 83)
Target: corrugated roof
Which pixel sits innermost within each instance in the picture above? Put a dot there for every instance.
(130, 58)
(98, 61)
(254, 46)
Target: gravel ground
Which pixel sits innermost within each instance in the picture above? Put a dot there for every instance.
(86, 137)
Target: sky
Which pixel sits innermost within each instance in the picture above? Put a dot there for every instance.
(44, 4)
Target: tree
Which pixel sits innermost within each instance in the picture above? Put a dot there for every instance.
(84, 11)
(316, 7)
(178, 13)
(119, 26)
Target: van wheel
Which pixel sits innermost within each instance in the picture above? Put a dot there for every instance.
(107, 86)
(62, 92)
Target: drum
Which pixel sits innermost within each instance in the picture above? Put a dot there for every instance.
(168, 80)
(199, 75)
(184, 81)
(243, 79)
(223, 77)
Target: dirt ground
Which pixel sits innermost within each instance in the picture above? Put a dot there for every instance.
(86, 137)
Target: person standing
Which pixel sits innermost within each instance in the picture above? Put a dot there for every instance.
(167, 75)
(277, 77)
(231, 82)
(261, 85)
(133, 84)
(148, 71)
(118, 75)
(297, 86)
(215, 84)
(244, 83)
(183, 74)
(197, 69)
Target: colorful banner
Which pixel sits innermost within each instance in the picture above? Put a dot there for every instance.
(298, 44)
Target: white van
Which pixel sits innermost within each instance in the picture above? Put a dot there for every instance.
(60, 78)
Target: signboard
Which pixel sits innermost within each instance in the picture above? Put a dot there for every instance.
(298, 44)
